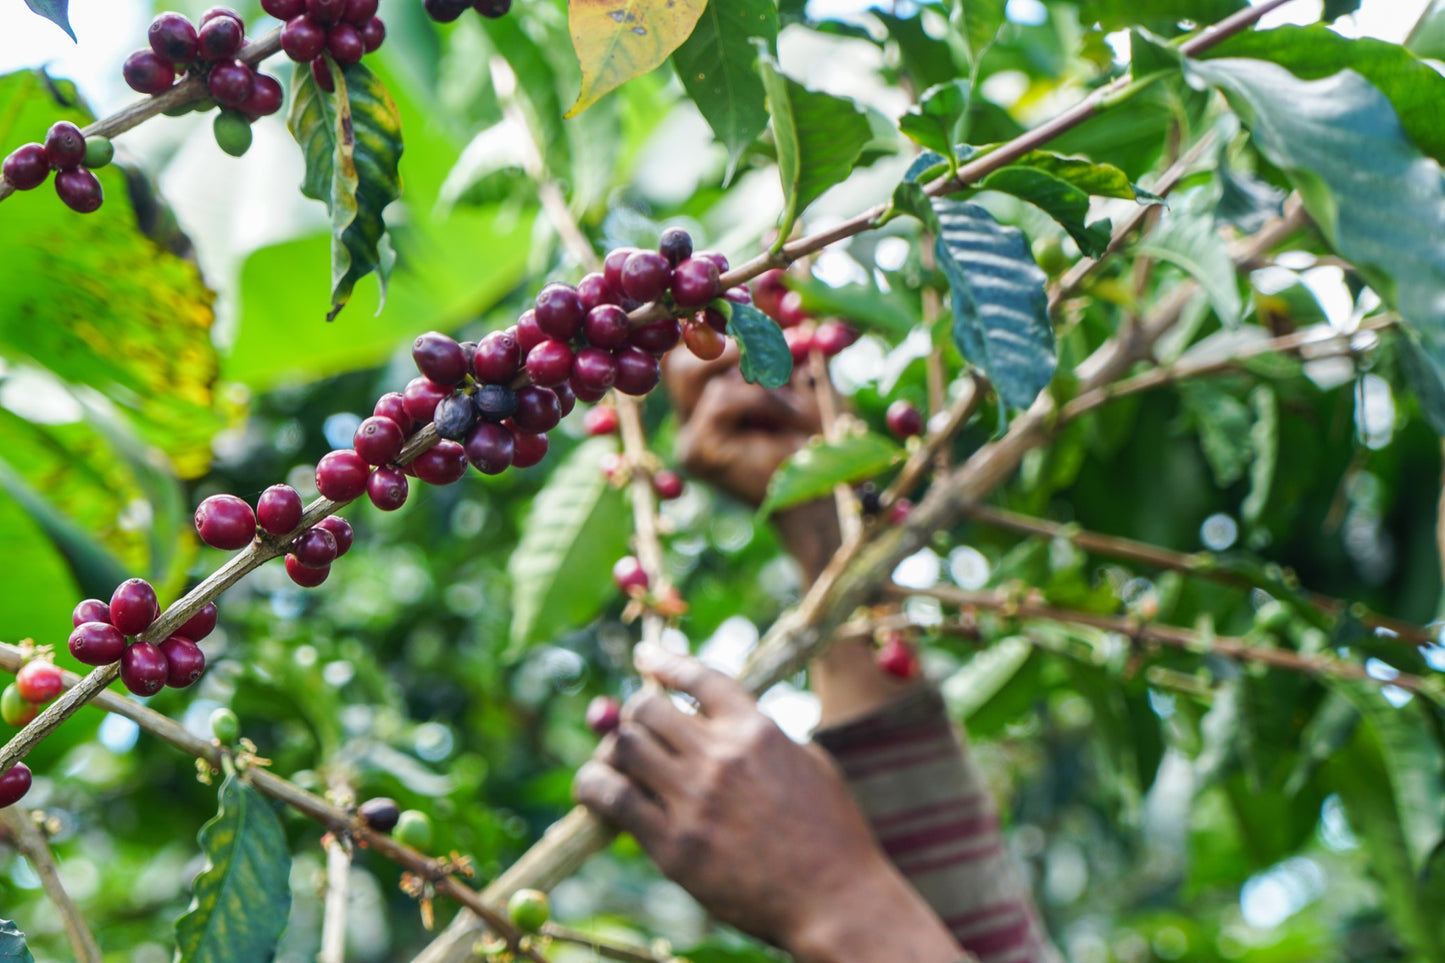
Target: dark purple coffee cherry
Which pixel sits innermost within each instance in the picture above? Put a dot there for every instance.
(220, 38)
(637, 371)
(341, 475)
(719, 261)
(340, 529)
(325, 11)
(14, 784)
(421, 397)
(146, 72)
(303, 39)
(345, 45)
(64, 145)
(230, 81)
(445, 11)
(200, 625)
(490, 448)
(606, 326)
(527, 333)
(266, 96)
(387, 488)
(527, 449)
(612, 266)
(96, 643)
(492, 9)
(380, 814)
(713, 318)
(594, 369)
(173, 39)
(213, 12)
(439, 358)
(278, 511)
(695, 282)
(566, 398)
(373, 34)
(442, 464)
(585, 391)
(26, 168)
(498, 358)
(549, 363)
(91, 610)
(378, 440)
(358, 12)
(559, 311)
(133, 606)
(321, 72)
(143, 669)
(225, 522)
(185, 662)
(315, 547)
(495, 402)
(646, 276)
(303, 576)
(80, 190)
(593, 290)
(284, 10)
(538, 409)
(455, 416)
(675, 245)
(657, 337)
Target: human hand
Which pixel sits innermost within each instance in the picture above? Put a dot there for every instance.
(760, 830)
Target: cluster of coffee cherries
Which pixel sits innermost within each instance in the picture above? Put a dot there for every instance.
(228, 522)
(37, 682)
(773, 297)
(105, 633)
(179, 47)
(347, 30)
(72, 156)
(445, 11)
(410, 827)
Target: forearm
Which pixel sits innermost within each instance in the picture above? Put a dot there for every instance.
(884, 919)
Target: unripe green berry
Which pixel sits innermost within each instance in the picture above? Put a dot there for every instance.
(225, 726)
(99, 152)
(233, 132)
(1272, 616)
(529, 909)
(14, 709)
(413, 828)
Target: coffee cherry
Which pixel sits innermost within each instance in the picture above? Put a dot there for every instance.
(284, 10)
(99, 152)
(379, 814)
(695, 282)
(373, 34)
(341, 475)
(566, 398)
(646, 276)
(133, 606)
(442, 464)
(668, 484)
(495, 402)
(538, 409)
(213, 12)
(64, 145)
(897, 658)
(143, 668)
(14, 709)
(229, 82)
(529, 910)
(549, 363)
(492, 9)
(303, 39)
(26, 168)
(899, 512)
(325, 11)
(657, 337)
(612, 266)
(559, 311)
(315, 547)
(146, 72)
(601, 420)
(393, 405)
(445, 11)
(413, 828)
(703, 340)
(233, 132)
(606, 326)
(527, 333)
(220, 38)
(603, 715)
(421, 397)
(96, 643)
(737, 294)
(768, 290)
(304, 576)
(675, 245)
(80, 190)
(39, 681)
(225, 726)
(265, 99)
(833, 336)
(14, 784)
(456, 416)
(387, 488)
(378, 440)
(790, 310)
(358, 12)
(490, 448)
(593, 290)
(200, 625)
(225, 522)
(340, 529)
(713, 318)
(345, 45)
(903, 420)
(278, 510)
(91, 610)
(629, 576)
(637, 371)
(593, 369)
(718, 260)
(173, 39)
(585, 392)
(528, 449)
(185, 662)
(800, 342)
(497, 358)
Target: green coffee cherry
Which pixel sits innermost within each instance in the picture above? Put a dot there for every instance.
(225, 726)
(99, 152)
(1272, 616)
(413, 828)
(529, 909)
(14, 709)
(233, 132)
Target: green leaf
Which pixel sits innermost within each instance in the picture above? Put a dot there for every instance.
(766, 359)
(243, 896)
(980, 21)
(56, 11)
(1000, 310)
(352, 143)
(1245, 203)
(1062, 201)
(12, 944)
(818, 137)
(1223, 423)
(860, 304)
(1158, 14)
(1335, 9)
(1099, 180)
(818, 467)
(1264, 447)
(1427, 37)
(1186, 237)
(1314, 52)
(937, 121)
(561, 570)
(617, 40)
(717, 67)
(1426, 378)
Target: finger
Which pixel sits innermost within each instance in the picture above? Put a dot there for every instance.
(654, 708)
(640, 756)
(616, 799)
(716, 694)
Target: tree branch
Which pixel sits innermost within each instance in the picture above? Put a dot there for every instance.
(31, 842)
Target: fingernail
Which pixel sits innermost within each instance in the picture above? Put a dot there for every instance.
(648, 657)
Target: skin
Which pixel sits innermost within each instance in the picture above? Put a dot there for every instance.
(762, 831)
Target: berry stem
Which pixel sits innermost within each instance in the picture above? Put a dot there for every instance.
(333, 920)
(30, 840)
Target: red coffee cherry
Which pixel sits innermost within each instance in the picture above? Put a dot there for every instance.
(637, 371)
(703, 341)
(658, 337)
(304, 576)
(695, 282)
(601, 420)
(646, 276)
(897, 657)
(833, 336)
(200, 625)
(265, 98)
(185, 662)
(594, 290)
(340, 529)
(629, 576)
(490, 448)
(527, 333)
(498, 358)
(549, 363)
(358, 12)
(80, 190)
(393, 405)
(325, 11)
(303, 39)
(421, 397)
(373, 34)
(606, 326)
(668, 484)
(225, 522)
(278, 510)
(442, 464)
(594, 369)
(14, 784)
(538, 409)
(220, 38)
(904, 420)
(284, 10)
(378, 440)
(559, 311)
(26, 168)
(341, 475)
(96, 643)
(143, 669)
(145, 72)
(91, 610)
(603, 715)
(39, 681)
(387, 488)
(315, 548)
(527, 449)
(173, 39)
(229, 81)
(718, 260)
(566, 398)
(133, 606)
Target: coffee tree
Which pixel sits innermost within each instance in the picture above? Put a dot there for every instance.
(1125, 322)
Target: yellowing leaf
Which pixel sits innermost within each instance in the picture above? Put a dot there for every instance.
(617, 40)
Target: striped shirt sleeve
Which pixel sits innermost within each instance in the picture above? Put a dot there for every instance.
(927, 803)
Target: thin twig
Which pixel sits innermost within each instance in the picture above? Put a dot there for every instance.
(605, 948)
(338, 877)
(30, 840)
(850, 519)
